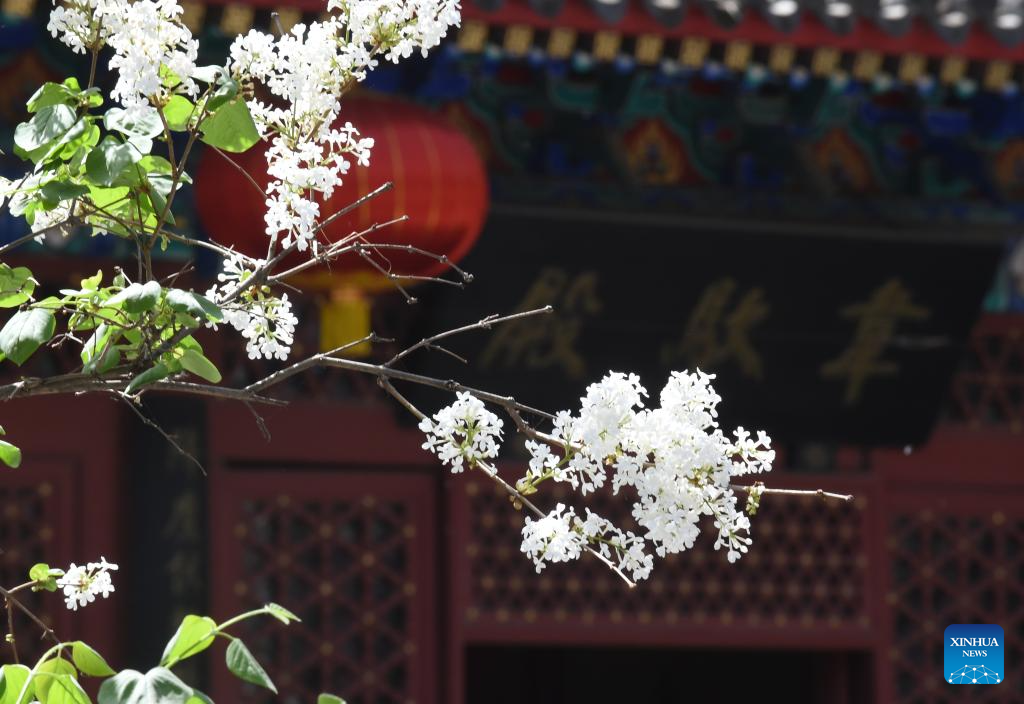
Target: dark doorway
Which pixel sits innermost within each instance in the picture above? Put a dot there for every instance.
(577, 675)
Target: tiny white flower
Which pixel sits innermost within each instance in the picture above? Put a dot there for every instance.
(465, 431)
(81, 584)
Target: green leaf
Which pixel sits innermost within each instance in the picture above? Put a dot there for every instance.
(64, 689)
(12, 679)
(89, 661)
(79, 139)
(45, 126)
(57, 191)
(194, 635)
(194, 304)
(178, 111)
(231, 127)
(25, 332)
(144, 121)
(198, 698)
(93, 97)
(105, 197)
(50, 94)
(108, 159)
(227, 89)
(281, 614)
(137, 298)
(16, 286)
(48, 303)
(45, 675)
(10, 455)
(44, 576)
(96, 346)
(154, 373)
(199, 365)
(158, 686)
(92, 283)
(244, 666)
(329, 699)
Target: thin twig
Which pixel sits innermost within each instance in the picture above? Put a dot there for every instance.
(482, 324)
(68, 224)
(242, 171)
(316, 360)
(10, 629)
(166, 436)
(47, 631)
(794, 492)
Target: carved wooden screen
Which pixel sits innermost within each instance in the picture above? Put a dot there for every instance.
(952, 558)
(354, 555)
(806, 584)
(989, 389)
(58, 507)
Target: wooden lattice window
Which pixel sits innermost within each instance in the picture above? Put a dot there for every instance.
(353, 555)
(807, 571)
(954, 566)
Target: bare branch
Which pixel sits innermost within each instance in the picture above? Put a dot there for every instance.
(482, 324)
(794, 492)
(47, 631)
(166, 436)
(62, 227)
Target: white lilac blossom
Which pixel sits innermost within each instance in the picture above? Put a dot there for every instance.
(82, 24)
(147, 38)
(81, 584)
(308, 70)
(552, 538)
(465, 431)
(674, 460)
(266, 322)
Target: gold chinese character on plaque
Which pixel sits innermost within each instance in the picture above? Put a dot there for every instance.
(877, 319)
(718, 329)
(550, 340)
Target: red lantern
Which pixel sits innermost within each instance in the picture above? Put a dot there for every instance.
(438, 179)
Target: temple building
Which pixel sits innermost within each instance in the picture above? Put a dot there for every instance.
(821, 202)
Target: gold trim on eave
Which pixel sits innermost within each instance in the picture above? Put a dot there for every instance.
(237, 19)
(693, 51)
(781, 58)
(737, 55)
(606, 45)
(912, 67)
(649, 48)
(472, 36)
(998, 74)
(518, 39)
(561, 42)
(19, 8)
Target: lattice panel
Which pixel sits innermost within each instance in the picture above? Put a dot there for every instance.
(29, 503)
(954, 569)
(349, 557)
(806, 570)
(989, 389)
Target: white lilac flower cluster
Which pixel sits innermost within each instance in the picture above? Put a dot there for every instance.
(308, 70)
(462, 432)
(559, 537)
(265, 321)
(674, 458)
(81, 584)
(147, 37)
